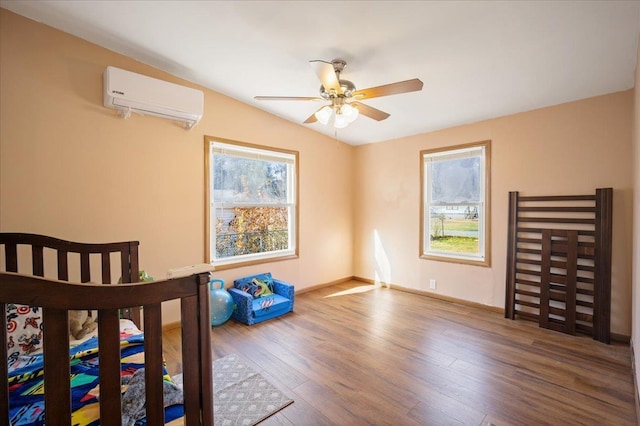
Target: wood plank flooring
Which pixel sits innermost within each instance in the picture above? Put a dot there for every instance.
(356, 354)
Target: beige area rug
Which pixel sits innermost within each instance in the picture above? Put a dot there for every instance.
(241, 396)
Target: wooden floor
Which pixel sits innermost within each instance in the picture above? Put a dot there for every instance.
(354, 354)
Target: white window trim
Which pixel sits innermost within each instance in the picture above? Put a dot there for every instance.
(219, 145)
(484, 229)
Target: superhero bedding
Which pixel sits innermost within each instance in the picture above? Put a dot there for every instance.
(26, 383)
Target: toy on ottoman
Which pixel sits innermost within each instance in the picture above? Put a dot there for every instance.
(260, 297)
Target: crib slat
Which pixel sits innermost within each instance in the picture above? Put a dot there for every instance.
(57, 395)
(190, 360)
(85, 267)
(63, 266)
(153, 364)
(125, 273)
(134, 270)
(109, 358)
(11, 257)
(38, 261)
(106, 267)
(204, 341)
(133, 261)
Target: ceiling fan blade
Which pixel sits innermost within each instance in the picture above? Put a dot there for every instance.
(370, 112)
(288, 98)
(327, 75)
(312, 119)
(389, 89)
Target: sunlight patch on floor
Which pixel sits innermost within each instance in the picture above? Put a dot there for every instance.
(381, 274)
(354, 290)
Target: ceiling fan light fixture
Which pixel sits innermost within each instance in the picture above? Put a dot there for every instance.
(350, 113)
(324, 114)
(341, 121)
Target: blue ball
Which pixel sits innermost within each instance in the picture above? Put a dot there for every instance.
(221, 304)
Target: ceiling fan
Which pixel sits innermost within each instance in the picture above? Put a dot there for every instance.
(345, 106)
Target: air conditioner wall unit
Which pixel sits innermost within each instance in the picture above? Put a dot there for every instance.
(129, 92)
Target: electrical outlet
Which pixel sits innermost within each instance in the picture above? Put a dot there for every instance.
(432, 284)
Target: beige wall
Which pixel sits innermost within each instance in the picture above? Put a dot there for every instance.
(572, 148)
(73, 169)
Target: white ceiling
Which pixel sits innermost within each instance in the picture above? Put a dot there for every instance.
(477, 60)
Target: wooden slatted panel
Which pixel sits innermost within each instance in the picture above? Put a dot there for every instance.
(512, 254)
(527, 293)
(527, 315)
(196, 356)
(107, 302)
(204, 350)
(604, 234)
(11, 257)
(128, 252)
(37, 258)
(109, 358)
(529, 304)
(125, 271)
(153, 365)
(57, 390)
(582, 291)
(189, 359)
(106, 266)
(548, 280)
(527, 282)
(570, 291)
(581, 232)
(545, 279)
(585, 251)
(133, 261)
(56, 406)
(63, 265)
(557, 220)
(559, 264)
(565, 288)
(56, 339)
(552, 209)
(85, 267)
(563, 313)
(558, 198)
(130, 274)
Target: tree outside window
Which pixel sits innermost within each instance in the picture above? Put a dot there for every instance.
(252, 204)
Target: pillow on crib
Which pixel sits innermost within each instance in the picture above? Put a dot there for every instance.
(24, 330)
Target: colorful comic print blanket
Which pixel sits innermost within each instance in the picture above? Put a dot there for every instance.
(26, 384)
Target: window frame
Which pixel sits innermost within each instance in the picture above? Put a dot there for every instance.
(485, 231)
(293, 191)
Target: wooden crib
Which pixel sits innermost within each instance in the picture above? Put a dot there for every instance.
(56, 297)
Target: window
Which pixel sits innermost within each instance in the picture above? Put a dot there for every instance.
(455, 204)
(251, 202)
